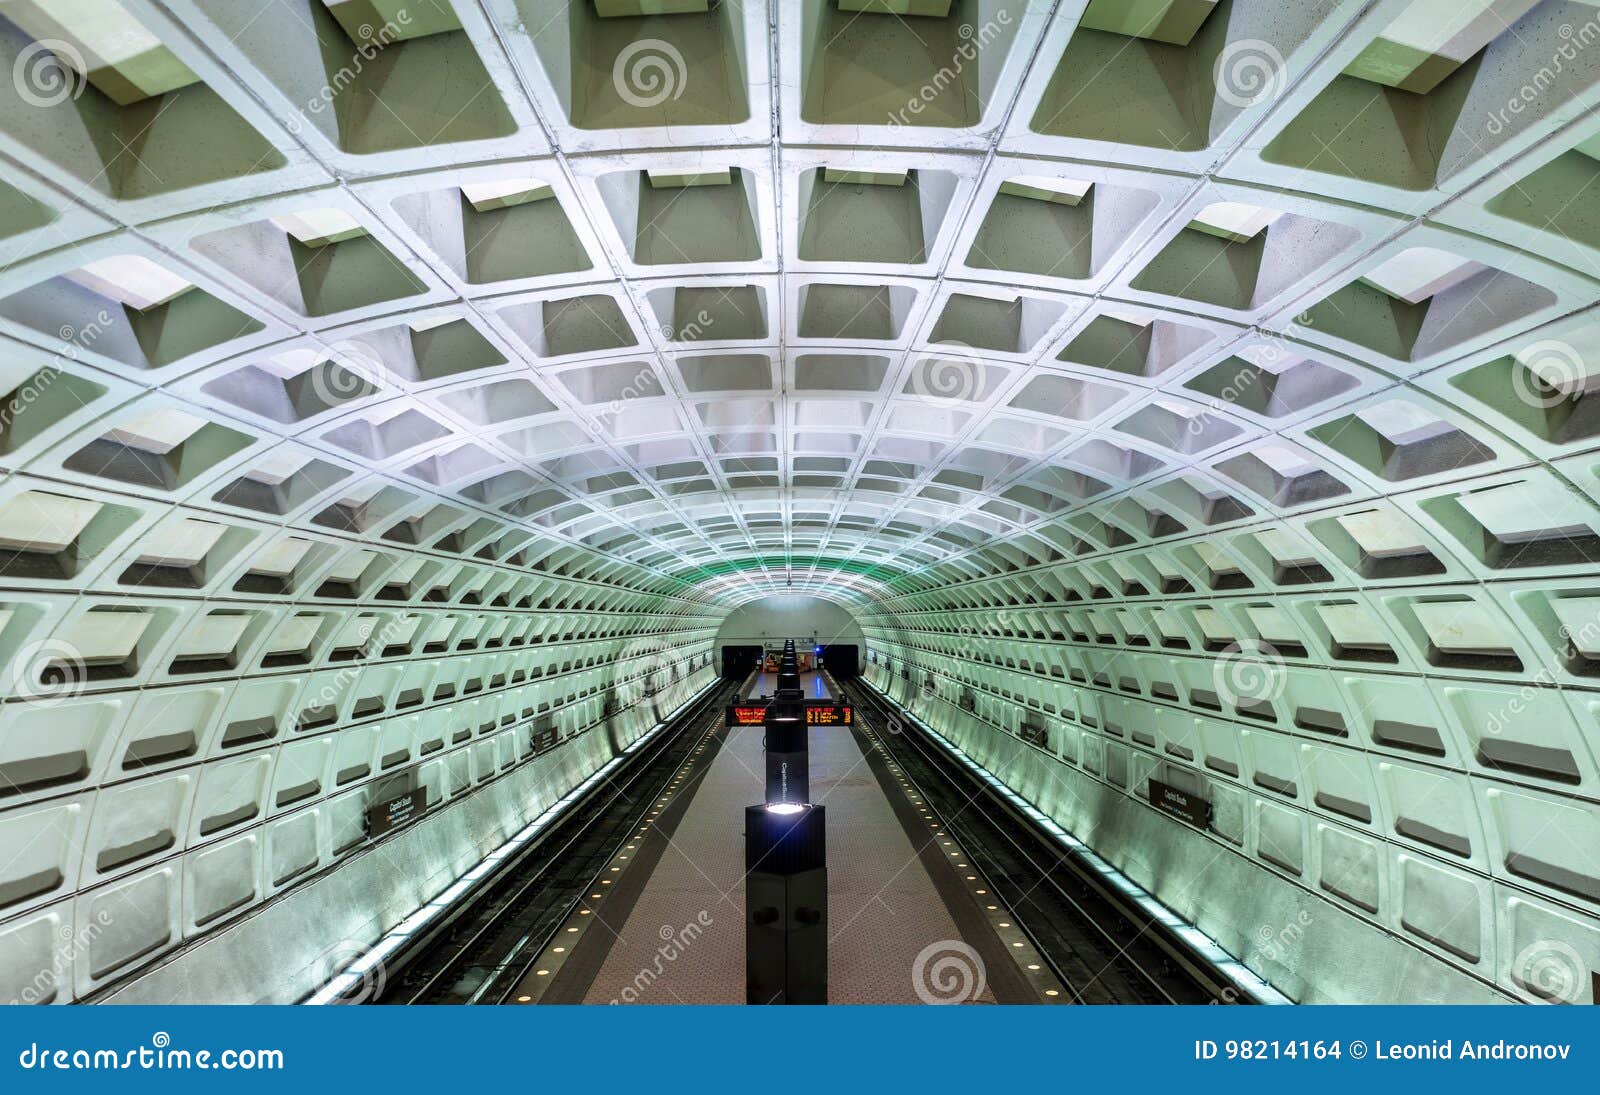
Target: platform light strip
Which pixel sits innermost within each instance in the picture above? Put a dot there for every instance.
(1230, 967)
(349, 979)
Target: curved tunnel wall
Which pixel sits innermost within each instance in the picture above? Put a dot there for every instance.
(1234, 884)
(1431, 809)
(155, 807)
(1238, 432)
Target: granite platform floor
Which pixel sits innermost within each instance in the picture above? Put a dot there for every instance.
(683, 940)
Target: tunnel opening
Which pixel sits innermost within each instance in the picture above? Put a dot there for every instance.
(825, 631)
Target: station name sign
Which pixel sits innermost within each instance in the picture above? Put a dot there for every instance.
(817, 714)
(1180, 803)
(383, 817)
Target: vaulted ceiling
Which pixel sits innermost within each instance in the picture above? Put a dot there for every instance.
(623, 305)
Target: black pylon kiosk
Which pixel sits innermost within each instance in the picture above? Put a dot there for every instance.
(788, 755)
(786, 863)
(786, 904)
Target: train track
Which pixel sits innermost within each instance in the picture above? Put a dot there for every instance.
(480, 953)
(1102, 947)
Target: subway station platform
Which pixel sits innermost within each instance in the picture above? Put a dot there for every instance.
(817, 684)
(903, 919)
(396, 438)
